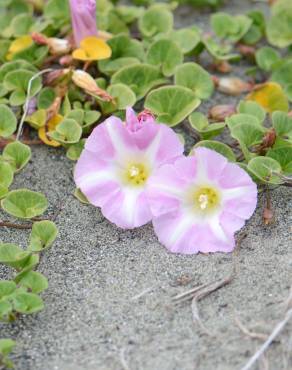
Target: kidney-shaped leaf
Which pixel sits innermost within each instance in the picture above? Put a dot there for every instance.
(67, 132)
(139, 77)
(42, 235)
(12, 255)
(172, 104)
(17, 155)
(34, 281)
(165, 54)
(23, 203)
(265, 169)
(283, 156)
(155, 20)
(196, 78)
(27, 303)
(7, 121)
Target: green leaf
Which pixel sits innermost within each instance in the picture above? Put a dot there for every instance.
(27, 265)
(206, 131)
(21, 25)
(7, 287)
(229, 26)
(46, 98)
(5, 311)
(18, 80)
(125, 51)
(219, 51)
(166, 55)
(12, 255)
(186, 38)
(266, 57)
(7, 121)
(264, 169)
(42, 236)
(6, 174)
(90, 117)
(172, 104)
(67, 132)
(218, 147)
(23, 203)
(252, 109)
(17, 155)
(6, 346)
(74, 150)
(15, 66)
(28, 303)
(123, 95)
(155, 20)
(77, 115)
(196, 78)
(58, 11)
(242, 118)
(283, 74)
(34, 281)
(140, 78)
(282, 123)
(38, 119)
(282, 155)
(279, 30)
(248, 135)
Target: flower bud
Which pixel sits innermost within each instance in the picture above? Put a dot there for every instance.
(83, 80)
(56, 46)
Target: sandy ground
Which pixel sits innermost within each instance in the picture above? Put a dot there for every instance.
(95, 316)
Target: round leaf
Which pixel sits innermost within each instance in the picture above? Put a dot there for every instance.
(165, 54)
(172, 104)
(67, 132)
(194, 77)
(17, 155)
(42, 235)
(7, 121)
(264, 168)
(155, 20)
(34, 281)
(23, 203)
(27, 303)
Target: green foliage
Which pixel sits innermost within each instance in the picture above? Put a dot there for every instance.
(196, 78)
(172, 104)
(229, 26)
(141, 78)
(67, 132)
(42, 236)
(265, 169)
(6, 347)
(23, 203)
(186, 38)
(7, 121)
(165, 54)
(279, 26)
(267, 57)
(155, 20)
(17, 155)
(206, 130)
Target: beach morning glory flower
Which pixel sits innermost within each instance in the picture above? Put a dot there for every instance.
(199, 202)
(83, 16)
(118, 161)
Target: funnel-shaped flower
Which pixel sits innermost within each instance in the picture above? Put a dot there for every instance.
(117, 163)
(199, 202)
(83, 16)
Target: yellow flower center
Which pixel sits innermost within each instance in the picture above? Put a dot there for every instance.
(206, 199)
(136, 174)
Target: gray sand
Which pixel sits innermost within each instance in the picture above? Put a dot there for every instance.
(94, 318)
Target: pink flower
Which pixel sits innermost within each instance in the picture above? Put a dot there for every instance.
(117, 163)
(83, 16)
(199, 202)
